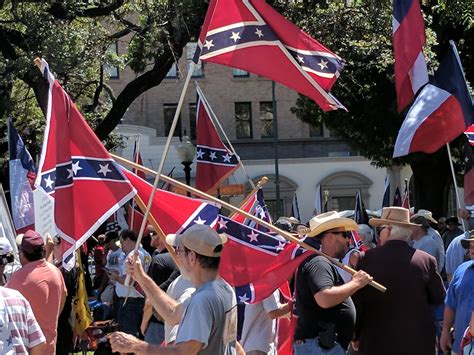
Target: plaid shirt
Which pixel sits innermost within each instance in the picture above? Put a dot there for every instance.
(19, 330)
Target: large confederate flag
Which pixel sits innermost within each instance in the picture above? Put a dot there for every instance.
(76, 170)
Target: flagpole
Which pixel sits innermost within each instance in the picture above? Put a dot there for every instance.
(158, 173)
(216, 121)
(234, 209)
(136, 152)
(458, 201)
(158, 229)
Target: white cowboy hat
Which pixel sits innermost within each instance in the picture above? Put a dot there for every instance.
(330, 220)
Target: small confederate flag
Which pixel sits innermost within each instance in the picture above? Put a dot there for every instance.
(254, 262)
(251, 35)
(469, 132)
(174, 213)
(137, 158)
(256, 206)
(76, 170)
(214, 161)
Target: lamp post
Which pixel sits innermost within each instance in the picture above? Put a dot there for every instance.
(186, 152)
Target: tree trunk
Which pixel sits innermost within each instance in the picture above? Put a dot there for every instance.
(432, 178)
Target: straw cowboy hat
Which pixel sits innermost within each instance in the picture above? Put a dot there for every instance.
(397, 216)
(424, 214)
(330, 220)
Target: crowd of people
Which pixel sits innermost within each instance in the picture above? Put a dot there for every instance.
(176, 303)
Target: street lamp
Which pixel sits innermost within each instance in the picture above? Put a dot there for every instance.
(186, 152)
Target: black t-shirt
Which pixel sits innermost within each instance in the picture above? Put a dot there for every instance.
(315, 274)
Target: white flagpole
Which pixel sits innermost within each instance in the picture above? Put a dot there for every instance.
(216, 121)
(162, 163)
(458, 201)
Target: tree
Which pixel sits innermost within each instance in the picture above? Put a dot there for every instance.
(74, 37)
(362, 35)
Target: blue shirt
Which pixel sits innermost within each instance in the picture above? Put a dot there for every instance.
(460, 298)
(455, 253)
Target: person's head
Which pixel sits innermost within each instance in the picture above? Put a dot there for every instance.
(422, 230)
(6, 254)
(128, 238)
(198, 248)
(156, 242)
(452, 223)
(111, 239)
(333, 231)
(31, 247)
(468, 244)
(394, 224)
(366, 234)
(442, 224)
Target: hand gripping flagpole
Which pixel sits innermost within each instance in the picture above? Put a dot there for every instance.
(234, 209)
(158, 173)
(216, 121)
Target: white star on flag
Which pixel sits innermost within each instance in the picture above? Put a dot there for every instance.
(222, 224)
(200, 154)
(49, 182)
(235, 36)
(104, 169)
(209, 44)
(259, 32)
(227, 157)
(300, 59)
(243, 298)
(253, 236)
(280, 246)
(199, 220)
(323, 64)
(212, 156)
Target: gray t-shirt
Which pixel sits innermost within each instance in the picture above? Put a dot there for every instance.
(211, 318)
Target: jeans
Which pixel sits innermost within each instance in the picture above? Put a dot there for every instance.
(155, 333)
(130, 316)
(311, 347)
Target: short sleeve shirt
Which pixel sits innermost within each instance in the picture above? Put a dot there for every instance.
(211, 319)
(122, 290)
(19, 330)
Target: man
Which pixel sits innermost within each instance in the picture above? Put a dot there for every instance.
(423, 240)
(208, 325)
(324, 307)
(113, 255)
(130, 314)
(442, 225)
(459, 303)
(42, 284)
(19, 330)
(452, 231)
(259, 329)
(399, 321)
(161, 268)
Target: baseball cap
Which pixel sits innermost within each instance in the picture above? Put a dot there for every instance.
(199, 238)
(32, 242)
(5, 246)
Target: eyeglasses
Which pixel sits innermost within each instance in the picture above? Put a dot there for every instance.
(345, 234)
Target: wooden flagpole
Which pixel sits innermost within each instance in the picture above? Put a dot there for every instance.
(234, 209)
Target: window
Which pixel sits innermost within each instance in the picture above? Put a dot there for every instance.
(243, 120)
(192, 121)
(168, 114)
(112, 70)
(239, 73)
(266, 119)
(190, 50)
(316, 131)
(173, 72)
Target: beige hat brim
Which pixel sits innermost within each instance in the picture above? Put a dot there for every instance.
(340, 222)
(376, 222)
(171, 240)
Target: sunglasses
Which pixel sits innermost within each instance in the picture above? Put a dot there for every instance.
(345, 234)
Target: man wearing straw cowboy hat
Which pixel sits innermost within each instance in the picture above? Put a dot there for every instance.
(400, 320)
(326, 313)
